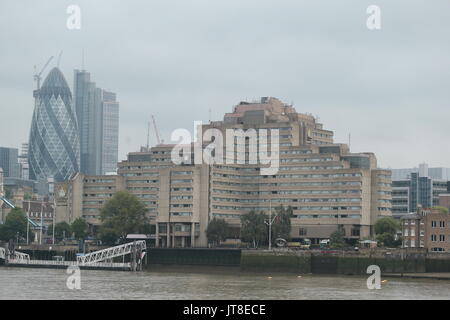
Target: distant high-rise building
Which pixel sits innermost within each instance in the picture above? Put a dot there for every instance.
(9, 162)
(23, 162)
(110, 132)
(439, 173)
(54, 148)
(97, 113)
(416, 190)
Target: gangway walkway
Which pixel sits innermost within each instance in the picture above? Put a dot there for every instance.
(111, 253)
(97, 259)
(18, 256)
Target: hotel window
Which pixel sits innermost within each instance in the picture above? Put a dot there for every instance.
(162, 228)
(302, 231)
(355, 232)
(441, 224)
(442, 237)
(433, 237)
(433, 224)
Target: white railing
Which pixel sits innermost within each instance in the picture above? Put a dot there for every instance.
(19, 256)
(70, 263)
(95, 259)
(110, 253)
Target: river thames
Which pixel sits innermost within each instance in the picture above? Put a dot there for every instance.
(29, 284)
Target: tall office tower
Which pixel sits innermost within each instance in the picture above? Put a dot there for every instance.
(98, 117)
(53, 148)
(23, 162)
(110, 132)
(9, 162)
(328, 187)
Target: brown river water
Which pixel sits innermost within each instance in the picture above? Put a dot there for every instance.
(42, 284)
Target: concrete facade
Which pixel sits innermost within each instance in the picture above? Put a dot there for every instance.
(327, 186)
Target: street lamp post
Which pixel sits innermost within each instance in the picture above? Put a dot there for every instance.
(28, 222)
(54, 215)
(269, 222)
(42, 221)
(17, 237)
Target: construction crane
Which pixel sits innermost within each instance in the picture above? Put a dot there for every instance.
(37, 76)
(59, 58)
(156, 130)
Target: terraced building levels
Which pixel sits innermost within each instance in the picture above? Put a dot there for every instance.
(327, 186)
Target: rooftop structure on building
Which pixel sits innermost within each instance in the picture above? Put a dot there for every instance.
(436, 173)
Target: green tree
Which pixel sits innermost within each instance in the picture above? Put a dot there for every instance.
(441, 209)
(16, 222)
(108, 235)
(337, 239)
(281, 227)
(386, 229)
(62, 229)
(8, 192)
(123, 214)
(79, 228)
(217, 231)
(253, 228)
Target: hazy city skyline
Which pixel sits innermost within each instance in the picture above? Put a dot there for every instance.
(388, 88)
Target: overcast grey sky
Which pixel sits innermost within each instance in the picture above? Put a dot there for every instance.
(389, 88)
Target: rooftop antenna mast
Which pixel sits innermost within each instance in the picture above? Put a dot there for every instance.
(156, 130)
(37, 76)
(349, 140)
(148, 136)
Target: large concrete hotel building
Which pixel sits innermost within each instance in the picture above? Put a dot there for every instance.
(327, 186)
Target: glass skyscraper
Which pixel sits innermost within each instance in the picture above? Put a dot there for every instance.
(54, 148)
(97, 112)
(9, 162)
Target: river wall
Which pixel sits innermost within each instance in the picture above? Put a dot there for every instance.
(287, 261)
(348, 263)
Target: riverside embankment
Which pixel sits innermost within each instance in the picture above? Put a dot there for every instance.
(396, 262)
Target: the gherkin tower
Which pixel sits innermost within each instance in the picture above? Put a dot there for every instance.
(54, 148)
